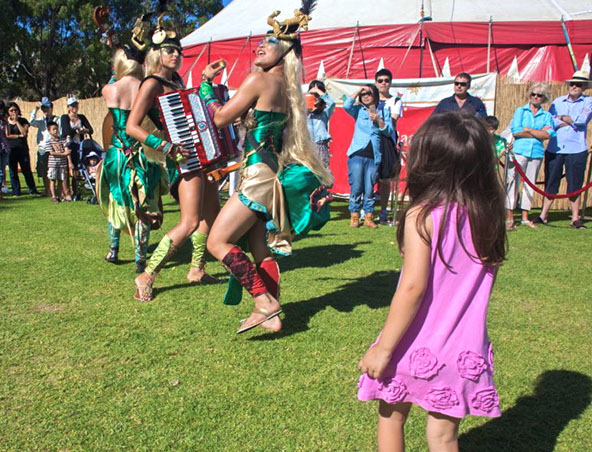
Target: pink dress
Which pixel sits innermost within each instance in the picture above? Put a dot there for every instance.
(444, 362)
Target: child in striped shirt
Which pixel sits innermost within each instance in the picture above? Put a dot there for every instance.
(57, 165)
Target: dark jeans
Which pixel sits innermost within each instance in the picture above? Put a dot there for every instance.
(20, 157)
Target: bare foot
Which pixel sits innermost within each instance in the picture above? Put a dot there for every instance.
(265, 307)
(199, 275)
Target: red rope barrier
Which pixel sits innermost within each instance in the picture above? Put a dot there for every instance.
(542, 192)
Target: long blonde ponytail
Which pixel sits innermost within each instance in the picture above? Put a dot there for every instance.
(298, 146)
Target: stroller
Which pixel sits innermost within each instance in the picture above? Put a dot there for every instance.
(89, 156)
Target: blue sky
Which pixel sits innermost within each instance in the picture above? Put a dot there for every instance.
(226, 2)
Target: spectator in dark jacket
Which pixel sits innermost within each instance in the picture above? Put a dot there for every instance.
(461, 100)
(73, 128)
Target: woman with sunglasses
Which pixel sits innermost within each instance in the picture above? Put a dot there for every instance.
(531, 127)
(272, 103)
(198, 199)
(17, 129)
(364, 151)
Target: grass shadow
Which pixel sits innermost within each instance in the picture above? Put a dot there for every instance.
(339, 211)
(374, 291)
(318, 256)
(536, 421)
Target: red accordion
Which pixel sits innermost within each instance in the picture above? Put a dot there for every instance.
(188, 124)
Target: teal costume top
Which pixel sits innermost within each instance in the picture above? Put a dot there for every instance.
(269, 129)
(125, 165)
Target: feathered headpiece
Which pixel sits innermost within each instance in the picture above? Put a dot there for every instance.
(288, 30)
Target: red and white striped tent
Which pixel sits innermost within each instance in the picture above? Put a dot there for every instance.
(539, 40)
(348, 38)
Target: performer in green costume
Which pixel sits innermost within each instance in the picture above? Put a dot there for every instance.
(277, 136)
(129, 186)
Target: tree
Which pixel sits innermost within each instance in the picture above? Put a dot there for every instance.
(53, 48)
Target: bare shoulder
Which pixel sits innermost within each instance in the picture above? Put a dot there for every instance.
(151, 86)
(413, 220)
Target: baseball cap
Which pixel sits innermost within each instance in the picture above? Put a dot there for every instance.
(45, 102)
(71, 101)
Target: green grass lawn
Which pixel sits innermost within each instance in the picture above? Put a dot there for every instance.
(84, 367)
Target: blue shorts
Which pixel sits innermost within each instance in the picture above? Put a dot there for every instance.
(575, 167)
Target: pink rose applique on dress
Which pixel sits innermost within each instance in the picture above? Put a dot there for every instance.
(442, 398)
(393, 390)
(490, 357)
(471, 365)
(485, 400)
(424, 364)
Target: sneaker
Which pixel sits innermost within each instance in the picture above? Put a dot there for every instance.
(540, 220)
(578, 224)
(5, 190)
(383, 218)
(55, 200)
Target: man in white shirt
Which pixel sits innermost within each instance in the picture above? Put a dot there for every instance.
(394, 104)
(42, 135)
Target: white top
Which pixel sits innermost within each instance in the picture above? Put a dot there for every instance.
(395, 105)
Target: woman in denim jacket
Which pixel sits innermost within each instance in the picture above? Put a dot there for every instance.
(364, 151)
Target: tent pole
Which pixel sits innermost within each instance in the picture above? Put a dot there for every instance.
(420, 49)
(361, 50)
(209, 50)
(489, 43)
(569, 47)
(188, 71)
(351, 51)
(435, 64)
(407, 52)
(237, 58)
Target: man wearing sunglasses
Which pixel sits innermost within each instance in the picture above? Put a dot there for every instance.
(571, 115)
(461, 100)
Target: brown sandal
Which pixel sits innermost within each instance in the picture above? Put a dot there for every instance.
(143, 291)
(268, 316)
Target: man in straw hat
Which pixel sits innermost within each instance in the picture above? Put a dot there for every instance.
(571, 114)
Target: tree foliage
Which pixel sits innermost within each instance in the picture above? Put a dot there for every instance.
(52, 47)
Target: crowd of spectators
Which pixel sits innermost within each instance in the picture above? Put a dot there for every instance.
(57, 149)
(555, 138)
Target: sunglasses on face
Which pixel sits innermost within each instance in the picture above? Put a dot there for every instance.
(269, 39)
(170, 50)
(366, 93)
(461, 84)
(539, 95)
(577, 84)
(383, 80)
(12, 109)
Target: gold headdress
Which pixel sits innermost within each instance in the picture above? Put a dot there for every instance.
(288, 30)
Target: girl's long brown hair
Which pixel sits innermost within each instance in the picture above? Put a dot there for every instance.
(452, 160)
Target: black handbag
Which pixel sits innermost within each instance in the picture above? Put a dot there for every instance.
(390, 163)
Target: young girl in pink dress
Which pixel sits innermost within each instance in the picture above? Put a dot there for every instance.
(434, 350)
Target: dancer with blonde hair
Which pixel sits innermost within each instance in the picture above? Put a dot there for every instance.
(198, 199)
(130, 186)
(277, 135)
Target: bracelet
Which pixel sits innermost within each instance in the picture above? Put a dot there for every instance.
(167, 148)
(153, 141)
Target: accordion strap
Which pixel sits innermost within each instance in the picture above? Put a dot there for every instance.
(175, 84)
